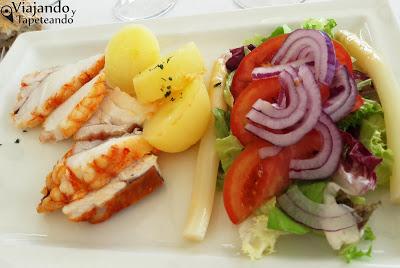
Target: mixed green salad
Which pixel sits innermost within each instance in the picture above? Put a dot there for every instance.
(302, 143)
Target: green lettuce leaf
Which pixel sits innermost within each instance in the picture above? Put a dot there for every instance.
(284, 29)
(221, 123)
(326, 25)
(257, 39)
(373, 137)
(227, 149)
(368, 234)
(352, 252)
(358, 200)
(227, 90)
(313, 190)
(354, 119)
(278, 220)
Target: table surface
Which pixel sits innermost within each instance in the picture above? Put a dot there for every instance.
(92, 12)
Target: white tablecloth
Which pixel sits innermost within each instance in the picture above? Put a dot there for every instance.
(91, 12)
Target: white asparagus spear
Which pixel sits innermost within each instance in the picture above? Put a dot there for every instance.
(388, 90)
(203, 188)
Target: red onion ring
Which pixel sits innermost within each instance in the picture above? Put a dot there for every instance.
(341, 104)
(319, 159)
(274, 70)
(319, 46)
(268, 115)
(295, 97)
(327, 217)
(331, 164)
(309, 121)
(348, 105)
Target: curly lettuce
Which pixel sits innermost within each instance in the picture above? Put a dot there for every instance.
(326, 25)
(373, 137)
(352, 252)
(354, 119)
(257, 239)
(258, 39)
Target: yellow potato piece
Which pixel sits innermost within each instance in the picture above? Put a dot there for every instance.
(181, 121)
(130, 51)
(172, 73)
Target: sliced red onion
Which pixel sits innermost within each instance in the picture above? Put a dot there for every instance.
(341, 81)
(340, 105)
(298, 101)
(319, 159)
(347, 107)
(268, 115)
(330, 165)
(318, 45)
(309, 121)
(269, 151)
(274, 70)
(282, 100)
(305, 53)
(313, 208)
(327, 217)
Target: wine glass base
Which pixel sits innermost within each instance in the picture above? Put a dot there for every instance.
(141, 9)
(263, 3)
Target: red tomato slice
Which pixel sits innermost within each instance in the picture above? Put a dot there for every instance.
(342, 56)
(258, 56)
(251, 181)
(358, 104)
(266, 89)
(325, 92)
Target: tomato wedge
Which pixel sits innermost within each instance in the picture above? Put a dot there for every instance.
(257, 57)
(358, 104)
(251, 181)
(342, 56)
(266, 89)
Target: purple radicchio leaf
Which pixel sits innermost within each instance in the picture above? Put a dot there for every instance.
(356, 172)
(237, 55)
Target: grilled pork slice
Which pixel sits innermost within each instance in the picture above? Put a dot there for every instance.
(38, 98)
(77, 174)
(131, 185)
(64, 121)
(118, 114)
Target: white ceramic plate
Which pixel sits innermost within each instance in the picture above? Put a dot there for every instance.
(149, 233)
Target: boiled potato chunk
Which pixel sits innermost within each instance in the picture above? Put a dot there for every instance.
(170, 74)
(130, 51)
(181, 121)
